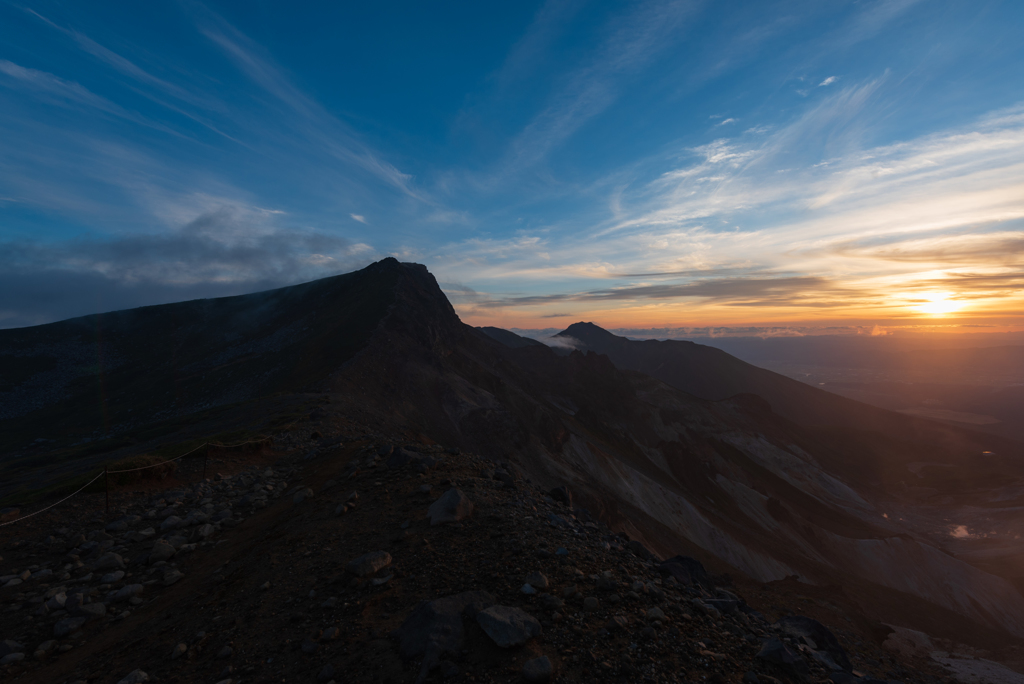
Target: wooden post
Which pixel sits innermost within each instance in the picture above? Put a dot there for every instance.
(106, 482)
(206, 458)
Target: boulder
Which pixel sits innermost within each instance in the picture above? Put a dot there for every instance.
(109, 561)
(57, 601)
(369, 563)
(434, 628)
(127, 592)
(171, 576)
(641, 551)
(617, 622)
(508, 626)
(401, 457)
(538, 670)
(562, 494)
(67, 626)
(451, 507)
(326, 674)
(537, 580)
(775, 652)
(171, 522)
(655, 613)
(135, 677)
(798, 627)
(686, 570)
(92, 610)
(161, 551)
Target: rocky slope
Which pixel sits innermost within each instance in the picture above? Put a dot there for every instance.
(371, 561)
(732, 483)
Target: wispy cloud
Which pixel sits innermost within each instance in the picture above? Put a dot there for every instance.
(334, 135)
(630, 43)
(358, 217)
(68, 93)
(127, 67)
(828, 81)
(925, 212)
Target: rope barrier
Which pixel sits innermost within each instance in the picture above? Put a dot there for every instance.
(206, 444)
(24, 517)
(132, 470)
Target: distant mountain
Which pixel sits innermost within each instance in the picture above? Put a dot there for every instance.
(711, 373)
(771, 479)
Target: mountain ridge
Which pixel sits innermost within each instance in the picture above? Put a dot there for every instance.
(768, 496)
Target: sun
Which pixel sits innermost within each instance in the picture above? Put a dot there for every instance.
(938, 304)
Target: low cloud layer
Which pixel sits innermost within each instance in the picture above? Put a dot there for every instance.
(219, 253)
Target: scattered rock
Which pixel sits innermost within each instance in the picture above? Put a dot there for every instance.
(641, 551)
(135, 677)
(685, 570)
(617, 623)
(537, 580)
(798, 627)
(562, 494)
(434, 628)
(172, 576)
(92, 610)
(655, 614)
(128, 592)
(171, 522)
(302, 495)
(45, 648)
(161, 551)
(451, 507)
(9, 646)
(508, 626)
(178, 651)
(538, 670)
(778, 653)
(369, 563)
(109, 561)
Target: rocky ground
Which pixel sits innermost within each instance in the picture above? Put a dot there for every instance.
(360, 557)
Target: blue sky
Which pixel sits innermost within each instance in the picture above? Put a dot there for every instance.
(662, 164)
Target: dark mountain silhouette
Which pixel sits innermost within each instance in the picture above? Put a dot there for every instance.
(509, 338)
(711, 373)
(755, 472)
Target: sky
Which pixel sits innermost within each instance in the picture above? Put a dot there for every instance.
(851, 165)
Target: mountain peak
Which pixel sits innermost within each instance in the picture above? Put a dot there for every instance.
(584, 330)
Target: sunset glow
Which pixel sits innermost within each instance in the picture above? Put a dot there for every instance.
(939, 304)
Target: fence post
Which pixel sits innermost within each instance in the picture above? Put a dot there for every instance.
(106, 482)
